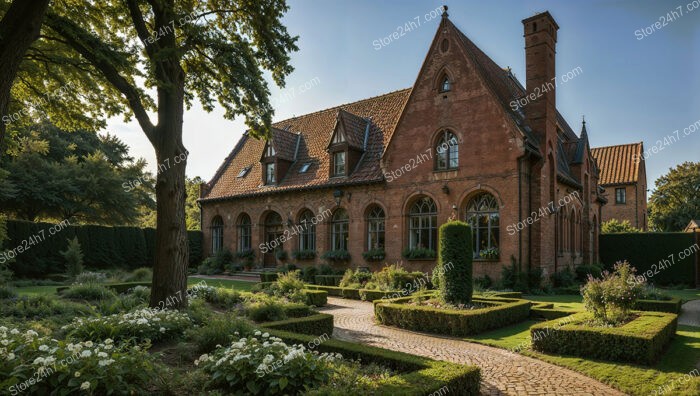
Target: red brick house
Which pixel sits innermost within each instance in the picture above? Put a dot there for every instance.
(623, 175)
(383, 173)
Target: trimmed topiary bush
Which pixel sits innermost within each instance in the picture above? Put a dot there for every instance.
(455, 262)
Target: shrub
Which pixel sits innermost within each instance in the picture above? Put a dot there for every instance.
(483, 282)
(220, 330)
(394, 277)
(611, 298)
(336, 255)
(265, 311)
(355, 279)
(318, 324)
(563, 278)
(288, 285)
(271, 367)
(641, 340)
(140, 275)
(89, 292)
(98, 368)
(216, 264)
(39, 307)
(583, 270)
(7, 292)
(534, 279)
(374, 254)
(88, 277)
(74, 258)
(418, 254)
(455, 263)
(268, 276)
(303, 254)
(449, 321)
(326, 269)
(328, 280)
(308, 274)
(139, 325)
(220, 297)
(281, 254)
(317, 298)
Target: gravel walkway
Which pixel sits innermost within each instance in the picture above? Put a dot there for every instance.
(503, 373)
(690, 314)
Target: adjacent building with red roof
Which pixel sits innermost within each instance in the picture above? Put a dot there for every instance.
(623, 176)
(369, 182)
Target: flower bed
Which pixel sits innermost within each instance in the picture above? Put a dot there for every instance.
(416, 375)
(143, 324)
(501, 312)
(641, 340)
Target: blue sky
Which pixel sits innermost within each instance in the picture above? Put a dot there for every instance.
(630, 90)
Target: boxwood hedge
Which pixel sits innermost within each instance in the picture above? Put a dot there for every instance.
(500, 313)
(417, 376)
(455, 262)
(328, 280)
(318, 324)
(672, 305)
(641, 340)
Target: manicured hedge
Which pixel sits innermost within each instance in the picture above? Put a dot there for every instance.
(353, 294)
(318, 324)
(331, 290)
(639, 341)
(645, 251)
(268, 277)
(117, 287)
(328, 280)
(103, 247)
(455, 262)
(417, 376)
(672, 305)
(503, 312)
(356, 294)
(317, 298)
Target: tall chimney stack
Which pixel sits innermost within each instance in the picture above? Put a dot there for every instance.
(540, 52)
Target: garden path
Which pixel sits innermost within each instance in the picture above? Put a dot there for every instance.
(503, 372)
(690, 314)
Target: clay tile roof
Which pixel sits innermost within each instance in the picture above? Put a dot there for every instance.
(618, 164)
(285, 143)
(354, 127)
(315, 128)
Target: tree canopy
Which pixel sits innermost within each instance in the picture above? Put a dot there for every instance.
(676, 198)
(614, 226)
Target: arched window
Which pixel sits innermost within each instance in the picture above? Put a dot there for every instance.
(217, 234)
(339, 230)
(273, 229)
(445, 84)
(307, 231)
(244, 232)
(447, 149)
(422, 225)
(482, 215)
(572, 232)
(375, 228)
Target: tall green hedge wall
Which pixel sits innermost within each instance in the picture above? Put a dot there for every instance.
(647, 252)
(455, 262)
(103, 247)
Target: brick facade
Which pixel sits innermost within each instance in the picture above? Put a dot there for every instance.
(528, 166)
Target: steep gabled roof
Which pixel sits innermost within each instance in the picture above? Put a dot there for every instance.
(354, 128)
(285, 143)
(618, 164)
(314, 130)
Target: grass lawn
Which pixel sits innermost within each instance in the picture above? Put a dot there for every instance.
(573, 302)
(682, 357)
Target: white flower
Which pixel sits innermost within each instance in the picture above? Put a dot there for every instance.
(86, 353)
(257, 333)
(102, 355)
(162, 329)
(39, 360)
(105, 362)
(11, 356)
(85, 385)
(43, 348)
(108, 341)
(108, 347)
(265, 335)
(77, 374)
(88, 344)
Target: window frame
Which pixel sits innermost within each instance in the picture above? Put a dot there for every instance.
(619, 201)
(270, 177)
(307, 231)
(340, 230)
(447, 151)
(244, 226)
(422, 217)
(491, 212)
(376, 228)
(217, 234)
(344, 155)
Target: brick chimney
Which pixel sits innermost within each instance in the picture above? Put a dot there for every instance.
(540, 53)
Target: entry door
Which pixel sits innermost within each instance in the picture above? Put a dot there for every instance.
(271, 237)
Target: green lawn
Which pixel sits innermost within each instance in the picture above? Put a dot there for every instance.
(573, 302)
(682, 357)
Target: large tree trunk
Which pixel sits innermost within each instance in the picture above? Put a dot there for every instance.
(18, 29)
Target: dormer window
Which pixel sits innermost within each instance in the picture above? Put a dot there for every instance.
(270, 152)
(304, 167)
(270, 177)
(339, 163)
(244, 171)
(445, 85)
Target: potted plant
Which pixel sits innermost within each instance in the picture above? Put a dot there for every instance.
(419, 254)
(336, 255)
(489, 254)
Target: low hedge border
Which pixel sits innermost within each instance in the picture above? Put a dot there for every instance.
(318, 298)
(640, 341)
(670, 306)
(505, 311)
(318, 324)
(356, 294)
(417, 376)
(117, 287)
(328, 280)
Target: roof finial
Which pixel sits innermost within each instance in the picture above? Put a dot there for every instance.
(444, 11)
(583, 126)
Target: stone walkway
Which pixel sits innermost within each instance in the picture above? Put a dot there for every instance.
(690, 314)
(503, 373)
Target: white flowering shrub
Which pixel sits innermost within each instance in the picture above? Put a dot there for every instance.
(264, 365)
(35, 365)
(140, 325)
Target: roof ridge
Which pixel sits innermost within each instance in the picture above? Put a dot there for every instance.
(340, 106)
